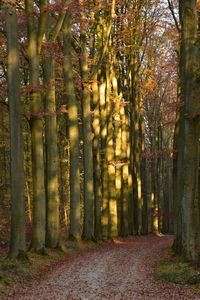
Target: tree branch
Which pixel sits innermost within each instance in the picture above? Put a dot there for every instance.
(105, 47)
(171, 7)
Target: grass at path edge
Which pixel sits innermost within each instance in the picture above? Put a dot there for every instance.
(177, 270)
(15, 272)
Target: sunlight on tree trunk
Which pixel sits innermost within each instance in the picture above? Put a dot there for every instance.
(75, 232)
(39, 199)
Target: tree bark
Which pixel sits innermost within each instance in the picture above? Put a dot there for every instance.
(53, 201)
(88, 181)
(188, 146)
(39, 197)
(75, 214)
(17, 239)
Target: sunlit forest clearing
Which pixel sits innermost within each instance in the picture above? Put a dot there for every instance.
(100, 148)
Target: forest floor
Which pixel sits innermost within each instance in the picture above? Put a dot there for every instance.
(120, 270)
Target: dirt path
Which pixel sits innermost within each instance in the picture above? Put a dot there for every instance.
(119, 271)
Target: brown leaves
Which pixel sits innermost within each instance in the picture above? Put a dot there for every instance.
(118, 269)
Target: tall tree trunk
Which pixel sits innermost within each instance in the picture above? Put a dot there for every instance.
(154, 185)
(96, 161)
(144, 177)
(39, 199)
(110, 157)
(88, 183)
(118, 148)
(177, 245)
(189, 147)
(17, 241)
(75, 215)
(48, 34)
(52, 234)
(104, 167)
(124, 174)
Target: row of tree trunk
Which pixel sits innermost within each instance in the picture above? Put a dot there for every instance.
(115, 188)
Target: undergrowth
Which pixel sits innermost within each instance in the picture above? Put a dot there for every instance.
(177, 270)
(13, 272)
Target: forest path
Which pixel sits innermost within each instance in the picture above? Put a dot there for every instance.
(116, 271)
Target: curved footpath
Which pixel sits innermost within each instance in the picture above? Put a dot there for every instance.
(120, 271)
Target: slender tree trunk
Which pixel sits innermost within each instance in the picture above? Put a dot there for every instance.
(88, 183)
(144, 178)
(118, 177)
(130, 180)
(110, 156)
(154, 185)
(96, 161)
(125, 190)
(177, 245)
(104, 167)
(118, 148)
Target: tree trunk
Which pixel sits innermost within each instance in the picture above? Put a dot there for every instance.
(96, 161)
(74, 231)
(104, 167)
(110, 157)
(52, 227)
(189, 147)
(88, 183)
(125, 190)
(17, 239)
(39, 199)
